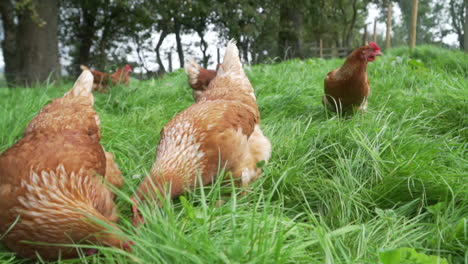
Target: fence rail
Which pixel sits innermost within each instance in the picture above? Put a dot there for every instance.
(330, 52)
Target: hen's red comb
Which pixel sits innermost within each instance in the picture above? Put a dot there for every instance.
(128, 67)
(374, 46)
(127, 246)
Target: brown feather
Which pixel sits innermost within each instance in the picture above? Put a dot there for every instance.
(347, 87)
(49, 180)
(103, 80)
(220, 130)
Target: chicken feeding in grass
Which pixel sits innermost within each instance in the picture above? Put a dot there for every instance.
(199, 78)
(347, 88)
(219, 131)
(51, 191)
(102, 80)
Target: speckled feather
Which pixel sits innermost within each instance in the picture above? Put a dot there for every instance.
(49, 179)
(219, 130)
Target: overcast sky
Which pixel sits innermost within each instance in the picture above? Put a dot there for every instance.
(212, 39)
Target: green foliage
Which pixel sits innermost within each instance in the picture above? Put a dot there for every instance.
(24, 6)
(336, 190)
(455, 62)
(408, 256)
(429, 21)
(91, 31)
(458, 20)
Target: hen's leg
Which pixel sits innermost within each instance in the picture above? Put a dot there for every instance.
(363, 107)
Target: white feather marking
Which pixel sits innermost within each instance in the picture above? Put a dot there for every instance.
(192, 69)
(34, 178)
(55, 192)
(248, 176)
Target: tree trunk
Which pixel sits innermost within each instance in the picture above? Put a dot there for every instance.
(37, 41)
(254, 57)
(139, 44)
(364, 36)
(414, 20)
(245, 51)
(290, 33)
(465, 39)
(459, 20)
(85, 36)
(203, 48)
(180, 50)
(101, 62)
(7, 12)
(349, 33)
(389, 26)
(161, 69)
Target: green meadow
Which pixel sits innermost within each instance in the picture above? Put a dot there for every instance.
(389, 186)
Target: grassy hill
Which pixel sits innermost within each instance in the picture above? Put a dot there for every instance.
(335, 191)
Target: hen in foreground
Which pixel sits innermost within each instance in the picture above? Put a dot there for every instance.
(50, 188)
(347, 88)
(102, 80)
(220, 130)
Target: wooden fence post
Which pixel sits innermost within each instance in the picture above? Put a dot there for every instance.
(374, 36)
(335, 50)
(364, 36)
(389, 26)
(321, 49)
(414, 21)
(169, 58)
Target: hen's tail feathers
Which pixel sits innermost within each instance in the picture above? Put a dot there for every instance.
(83, 86)
(231, 63)
(192, 69)
(84, 68)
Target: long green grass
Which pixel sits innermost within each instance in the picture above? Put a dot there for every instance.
(336, 190)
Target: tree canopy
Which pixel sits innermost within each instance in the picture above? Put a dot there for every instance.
(102, 33)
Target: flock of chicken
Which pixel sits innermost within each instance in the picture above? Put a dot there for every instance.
(102, 80)
(54, 182)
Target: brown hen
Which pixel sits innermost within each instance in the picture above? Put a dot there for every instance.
(102, 80)
(50, 188)
(347, 88)
(199, 78)
(220, 130)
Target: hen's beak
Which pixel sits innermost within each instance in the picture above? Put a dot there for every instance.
(378, 53)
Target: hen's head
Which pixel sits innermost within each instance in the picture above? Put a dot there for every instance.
(128, 68)
(369, 52)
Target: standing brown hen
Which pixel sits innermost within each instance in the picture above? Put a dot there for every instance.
(50, 191)
(347, 88)
(102, 80)
(220, 130)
